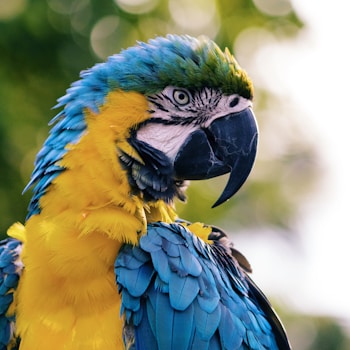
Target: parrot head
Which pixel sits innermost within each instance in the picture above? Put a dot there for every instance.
(199, 120)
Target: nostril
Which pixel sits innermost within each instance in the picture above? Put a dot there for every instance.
(234, 102)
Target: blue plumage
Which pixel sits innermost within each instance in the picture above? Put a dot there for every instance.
(10, 270)
(200, 304)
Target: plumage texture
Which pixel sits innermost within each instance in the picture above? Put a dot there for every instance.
(102, 261)
(10, 271)
(174, 283)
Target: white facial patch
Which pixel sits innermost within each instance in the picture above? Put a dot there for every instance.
(165, 138)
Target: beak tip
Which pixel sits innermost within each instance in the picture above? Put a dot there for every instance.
(216, 204)
(219, 202)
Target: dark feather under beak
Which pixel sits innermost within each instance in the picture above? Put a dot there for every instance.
(228, 144)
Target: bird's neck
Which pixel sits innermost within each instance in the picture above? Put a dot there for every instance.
(70, 247)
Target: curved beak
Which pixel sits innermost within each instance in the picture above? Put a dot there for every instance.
(228, 144)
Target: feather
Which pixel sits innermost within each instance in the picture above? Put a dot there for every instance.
(130, 302)
(182, 333)
(207, 323)
(150, 316)
(170, 321)
(164, 317)
(230, 339)
(172, 250)
(190, 262)
(139, 279)
(152, 244)
(159, 259)
(144, 338)
(209, 296)
(182, 291)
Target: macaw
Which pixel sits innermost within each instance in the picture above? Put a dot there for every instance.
(103, 261)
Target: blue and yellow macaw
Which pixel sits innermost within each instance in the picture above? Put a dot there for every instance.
(103, 261)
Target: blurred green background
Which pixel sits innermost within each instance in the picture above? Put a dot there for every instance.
(45, 44)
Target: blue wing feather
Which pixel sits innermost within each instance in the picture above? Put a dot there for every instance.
(231, 330)
(10, 270)
(207, 322)
(197, 296)
(182, 291)
(159, 259)
(182, 336)
(172, 322)
(189, 262)
(209, 297)
(145, 335)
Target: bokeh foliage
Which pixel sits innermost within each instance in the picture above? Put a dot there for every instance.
(44, 45)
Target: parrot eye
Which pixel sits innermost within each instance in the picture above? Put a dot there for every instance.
(181, 97)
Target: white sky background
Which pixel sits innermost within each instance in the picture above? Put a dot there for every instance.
(313, 70)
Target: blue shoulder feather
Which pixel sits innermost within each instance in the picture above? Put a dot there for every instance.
(181, 293)
(10, 270)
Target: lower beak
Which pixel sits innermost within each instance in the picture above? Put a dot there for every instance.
(228, 144)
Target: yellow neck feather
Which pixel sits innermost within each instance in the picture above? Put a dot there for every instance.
(67, 297)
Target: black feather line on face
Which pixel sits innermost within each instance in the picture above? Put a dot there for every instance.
(155, 178)
(178, 120)
(158, 105)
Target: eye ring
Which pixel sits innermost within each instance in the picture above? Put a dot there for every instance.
(181, 97)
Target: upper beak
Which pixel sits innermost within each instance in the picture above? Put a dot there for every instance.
(228, 144)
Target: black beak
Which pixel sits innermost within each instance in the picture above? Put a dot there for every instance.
(229, 144)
